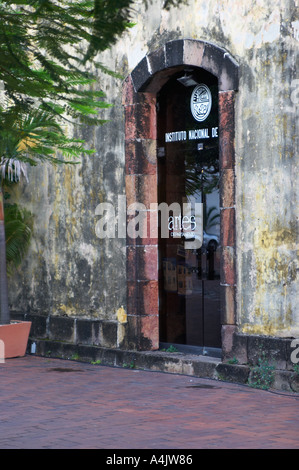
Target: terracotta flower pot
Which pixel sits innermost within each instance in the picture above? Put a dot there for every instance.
(14, 339)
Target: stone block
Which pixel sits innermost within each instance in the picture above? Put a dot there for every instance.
(38, 326)
(149, 332)
(132, 268)
(227, 337)
(128, 92)
(141, 120)
(204, 369)
(142, 263)
(84, 331)
(228, 304)
(227, 188)
(240, 348)
(62, 329)
(234, 345)
(132, 297)
(88, 331)
(272, 350)
(141, 75)
(229, 76)
(109, 334)
(284, 380)
(226, 130)
(141, 333)
(218, 62)
(142, 229)
(227, 271)
(228, 228)
(294, 383)
(128, 333)
(174, 53)
(193, 52)
(157, 60)
(141, 158)
(233, 373)
(148, 297)
(159, 79)
(143, 297)
(141, 189)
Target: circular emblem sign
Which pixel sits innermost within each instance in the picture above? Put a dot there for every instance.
(201, 102)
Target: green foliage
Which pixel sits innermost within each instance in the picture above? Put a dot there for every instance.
(129, 366)
(262, 375)
(211, 218)
(75, 357)
(233, 360)
(33, 137)
(47, 48)
(170, 349)
(41, 44)
(18, 231)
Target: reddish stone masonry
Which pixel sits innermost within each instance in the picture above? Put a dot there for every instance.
(139, 100)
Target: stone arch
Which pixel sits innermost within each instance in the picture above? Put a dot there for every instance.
(139, 100)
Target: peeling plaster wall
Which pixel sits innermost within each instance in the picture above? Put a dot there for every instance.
(266, 164)
(69, 271)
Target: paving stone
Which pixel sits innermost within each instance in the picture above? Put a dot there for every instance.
(48, 403)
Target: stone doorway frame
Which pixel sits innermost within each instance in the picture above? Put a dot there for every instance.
(139, 101)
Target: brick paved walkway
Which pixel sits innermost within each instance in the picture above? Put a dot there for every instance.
(56, 404)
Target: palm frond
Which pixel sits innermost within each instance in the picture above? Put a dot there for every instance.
(18, 231)
(211, 218)
(34, 138)
(13, 169)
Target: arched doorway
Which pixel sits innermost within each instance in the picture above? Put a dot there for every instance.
(143, 95)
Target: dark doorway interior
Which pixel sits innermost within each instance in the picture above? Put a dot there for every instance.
(188, 170)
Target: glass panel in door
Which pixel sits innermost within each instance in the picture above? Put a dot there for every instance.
(188, 173)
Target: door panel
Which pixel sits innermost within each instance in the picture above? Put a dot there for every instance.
(188, 170)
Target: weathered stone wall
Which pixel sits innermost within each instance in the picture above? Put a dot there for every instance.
(70, 271)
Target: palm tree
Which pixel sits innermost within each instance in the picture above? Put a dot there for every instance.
(25, 140)
(18, 231)
(14, 241)
(48, 50)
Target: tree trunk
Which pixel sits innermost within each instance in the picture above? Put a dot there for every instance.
(4, 310)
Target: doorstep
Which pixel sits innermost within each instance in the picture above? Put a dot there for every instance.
(181, 363)
(159, 361)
